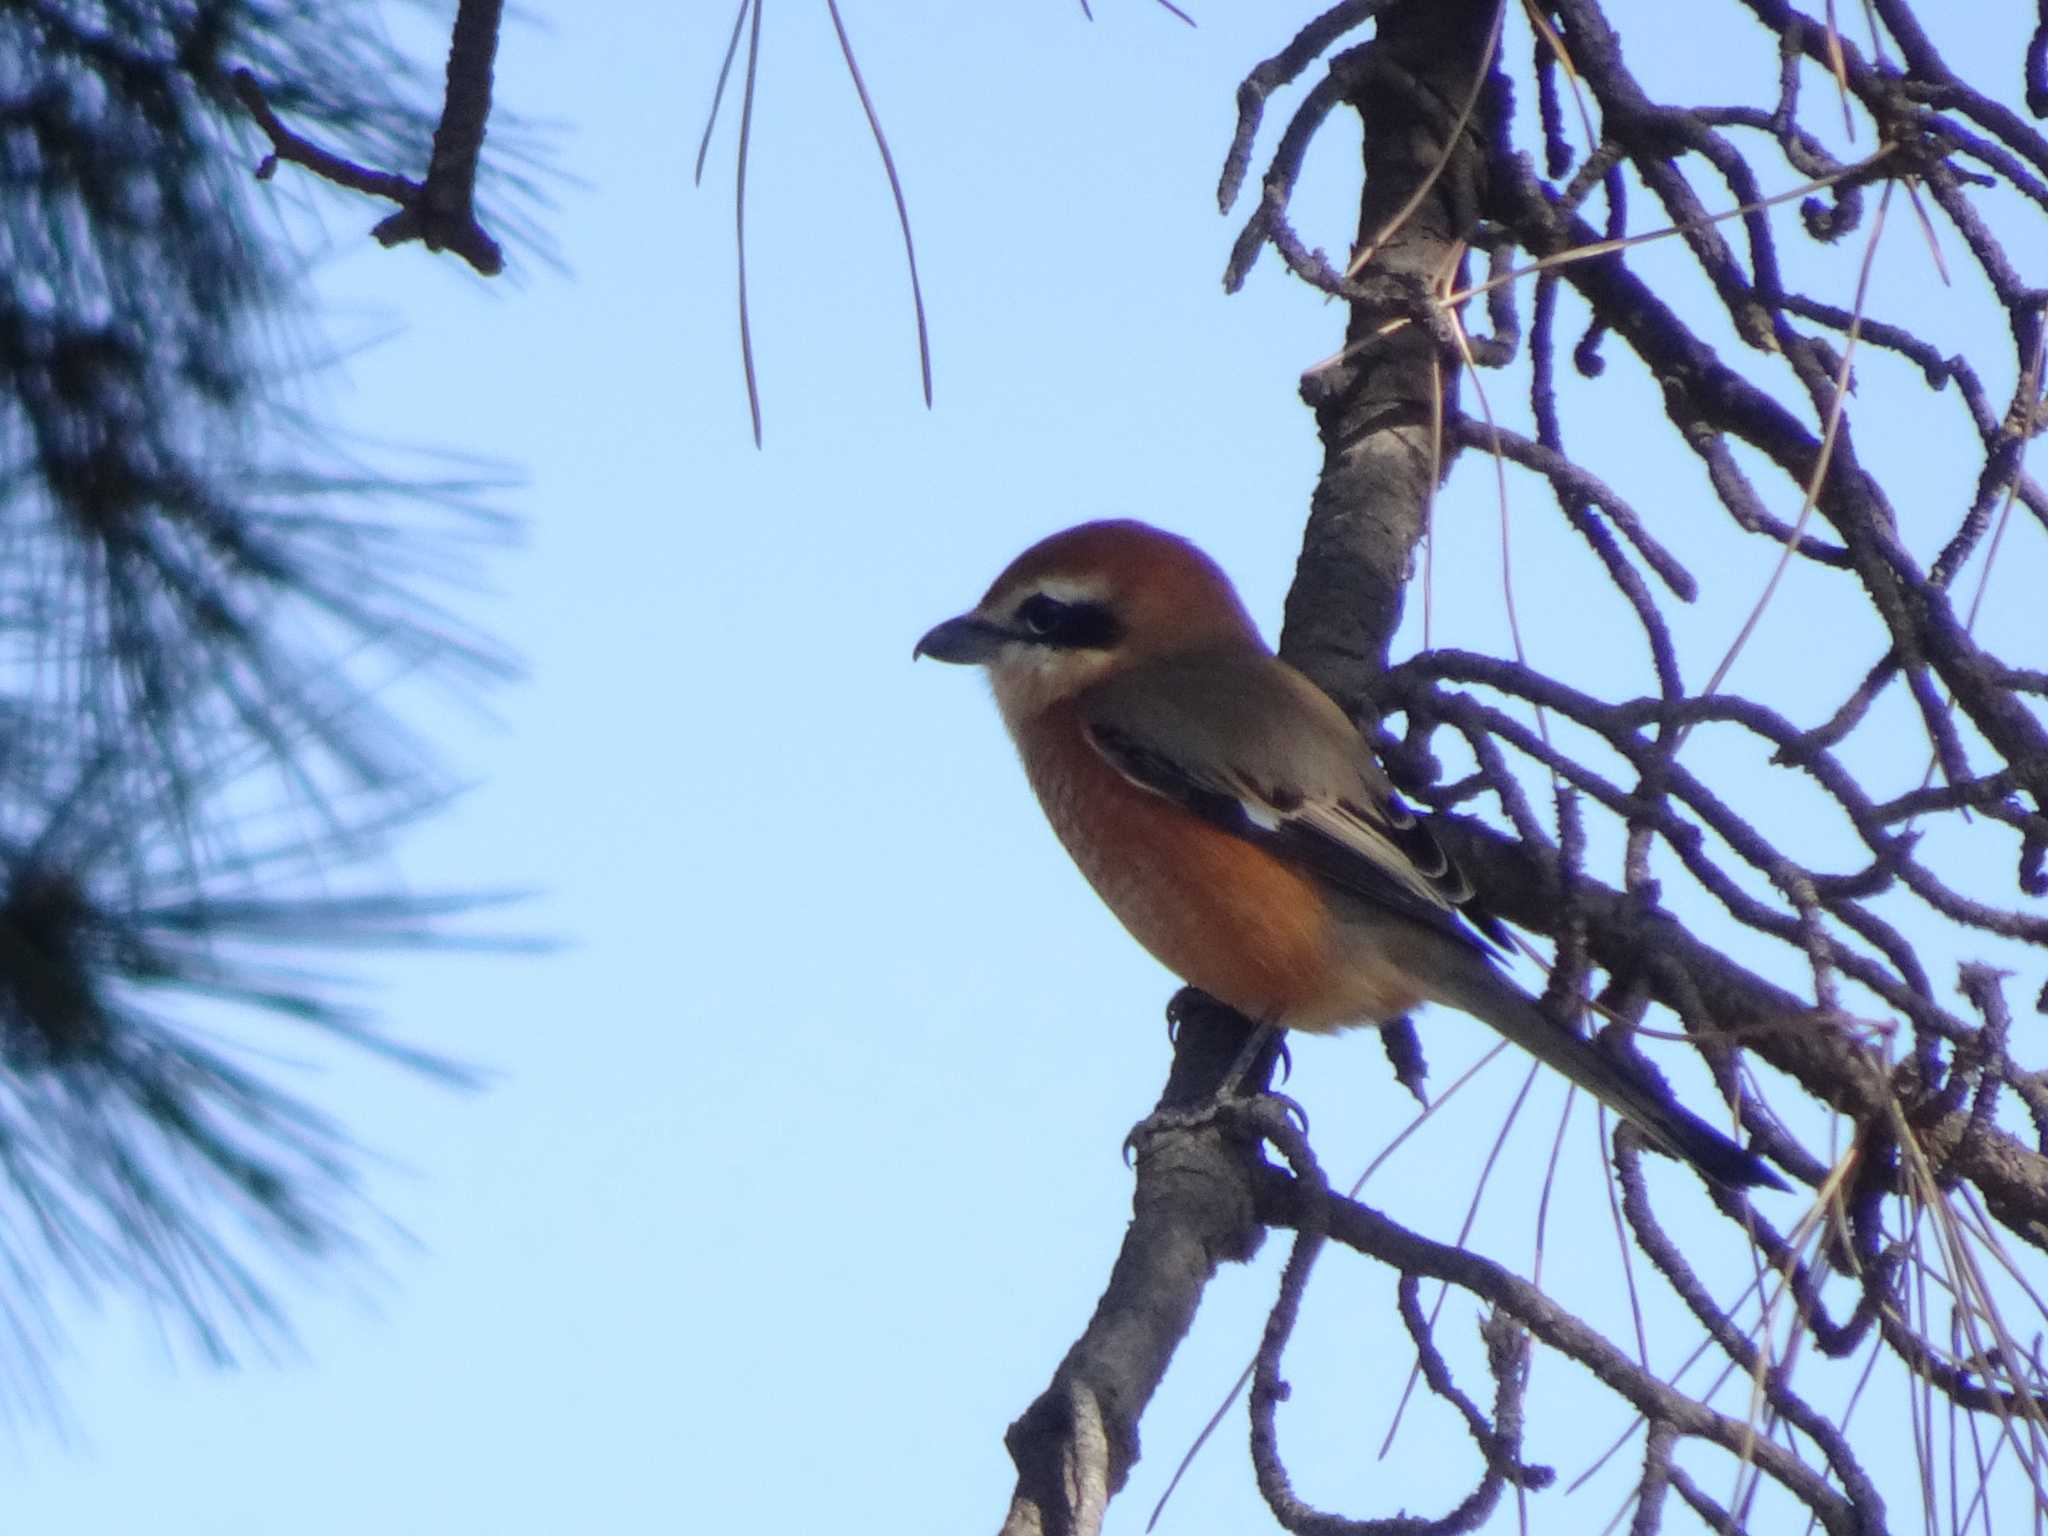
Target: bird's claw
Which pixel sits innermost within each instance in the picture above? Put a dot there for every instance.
(1264, 1114)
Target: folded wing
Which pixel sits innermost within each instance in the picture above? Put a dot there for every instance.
(1250, 745)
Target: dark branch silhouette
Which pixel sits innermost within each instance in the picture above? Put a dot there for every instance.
(1938, 1177)
(441, 210)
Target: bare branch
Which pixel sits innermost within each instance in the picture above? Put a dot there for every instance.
(440, 212)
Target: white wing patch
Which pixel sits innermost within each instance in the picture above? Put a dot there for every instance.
(1357, 831)
(1368, 836)
(1261, 815)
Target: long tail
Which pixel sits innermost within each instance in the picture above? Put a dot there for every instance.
(1483, 992)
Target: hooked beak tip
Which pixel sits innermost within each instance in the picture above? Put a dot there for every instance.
(966, 640)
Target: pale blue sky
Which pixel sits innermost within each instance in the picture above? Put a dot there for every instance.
(801, 1166)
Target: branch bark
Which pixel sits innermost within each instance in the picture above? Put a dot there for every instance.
(1191, 1211)
(440, 211)
(1923, 1088)
(1193, 1203)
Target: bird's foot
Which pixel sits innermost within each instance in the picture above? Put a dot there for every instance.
(1258, 1116)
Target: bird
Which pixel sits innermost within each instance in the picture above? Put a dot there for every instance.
(1232, 816)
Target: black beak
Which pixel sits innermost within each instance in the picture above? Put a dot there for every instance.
(968, 640)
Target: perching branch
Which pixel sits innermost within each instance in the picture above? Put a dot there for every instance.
(1904, 1100)
(1075, 1445)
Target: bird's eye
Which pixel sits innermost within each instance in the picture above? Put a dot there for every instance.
(1081, 625)
(1041, 615)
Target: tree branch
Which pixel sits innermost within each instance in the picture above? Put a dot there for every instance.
(441, 211)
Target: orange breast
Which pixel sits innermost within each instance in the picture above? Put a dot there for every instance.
(1217, 911)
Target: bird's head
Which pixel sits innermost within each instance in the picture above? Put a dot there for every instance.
(1082, 604)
